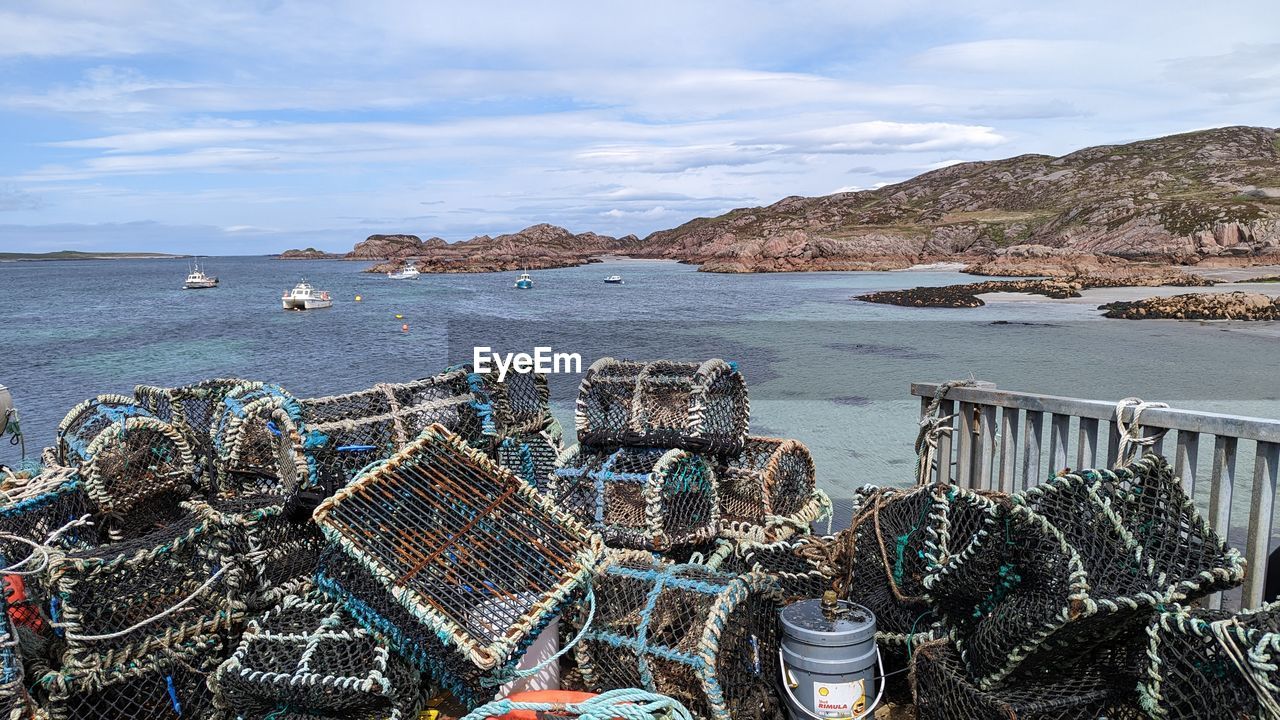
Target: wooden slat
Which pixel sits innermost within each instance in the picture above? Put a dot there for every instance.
(1222, 481)
(985, 459)
(1186, 453)
(1087, 444)
(964, 446)
(1261, 509)
(1113, 443)
(1009, 449)
(1059, 426)
(1034, 427)
(945, 408)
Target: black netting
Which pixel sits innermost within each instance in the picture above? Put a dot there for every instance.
(15, 703)
(1201, 663)
(695, 406)
(170, 685)
(85, 421)
(479, 562)
(644, 498)
(133, 600)
(532, 457)
(193, 410)
(518, 404)
(279, 553)
(802, 566)
(944, 692)
(705, 638)
(257, 439)
(308, 658)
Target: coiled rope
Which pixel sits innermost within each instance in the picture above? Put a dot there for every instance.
(621, 704)
(1223, 633)
(933, 426)
(1131, 437)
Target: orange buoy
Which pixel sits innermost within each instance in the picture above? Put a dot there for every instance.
(404, 327)
(563, 697)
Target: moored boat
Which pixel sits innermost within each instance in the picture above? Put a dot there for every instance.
(305, 297)
(614, 279)
(408, 272)
(197, 280)
(524, 282)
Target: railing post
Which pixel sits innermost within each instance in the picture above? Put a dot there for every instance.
(1258, 546)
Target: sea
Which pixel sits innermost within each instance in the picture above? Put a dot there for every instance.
(822, 368)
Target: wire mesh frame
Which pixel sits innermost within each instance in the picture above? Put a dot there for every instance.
(132, 602)
(802, 566)
(641, 498)
(385, 398)
(1204, 662)
(307, 656)
(458, 494)
(15, 703)
(533, 457)
(694, 406)
(713, 627)
(258, 439)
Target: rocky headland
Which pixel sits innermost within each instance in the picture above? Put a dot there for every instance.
(966, 296)
(1209, 197)
(1198, 306)
(307, 254)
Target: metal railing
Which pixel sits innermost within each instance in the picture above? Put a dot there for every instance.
(1009, 441)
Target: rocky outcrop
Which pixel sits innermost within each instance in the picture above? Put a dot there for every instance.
(1178, 199)
(533, 248)
(966, 296)
(392, 247)
(307, 254)
(1198, 306)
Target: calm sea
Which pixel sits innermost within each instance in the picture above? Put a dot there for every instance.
(821, 368)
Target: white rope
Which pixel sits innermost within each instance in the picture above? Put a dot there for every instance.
(159, 616)
(1131, 438)
(1266, 701)
(41, 549)
(932, 427)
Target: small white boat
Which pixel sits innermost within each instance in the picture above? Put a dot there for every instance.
(305, 297)
(408, 272)
(197, 280)
(614, 279)
(524, 282)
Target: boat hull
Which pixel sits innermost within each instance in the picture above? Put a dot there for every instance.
(524, 285)
(292, 304)
(200, 285)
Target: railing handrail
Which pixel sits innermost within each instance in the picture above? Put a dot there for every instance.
(1210, 423)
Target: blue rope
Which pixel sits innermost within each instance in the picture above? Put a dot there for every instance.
(502, 678)
(173, 694)
(622, 704)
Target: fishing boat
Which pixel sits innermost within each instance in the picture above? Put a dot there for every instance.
(524, 282)
(305, 297)
(614, 279)
(197, 280)
(408, 272)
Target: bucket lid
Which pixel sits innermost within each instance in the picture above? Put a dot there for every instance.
(807, 622)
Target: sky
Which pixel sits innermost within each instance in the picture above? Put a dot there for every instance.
(249, 127)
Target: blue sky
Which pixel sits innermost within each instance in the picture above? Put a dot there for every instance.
(250, 127)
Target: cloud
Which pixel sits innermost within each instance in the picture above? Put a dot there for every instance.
(883, 137)
(12, 200)
(1006, 54)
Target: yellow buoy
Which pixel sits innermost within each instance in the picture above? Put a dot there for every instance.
(399, 316)
(358, 298)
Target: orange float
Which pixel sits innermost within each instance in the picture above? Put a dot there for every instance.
(562, 697)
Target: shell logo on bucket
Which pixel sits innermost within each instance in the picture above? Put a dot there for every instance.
(839, 700)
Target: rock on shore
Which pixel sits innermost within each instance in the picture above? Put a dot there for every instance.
(308, 254)
(1198, 306)
(966, 296)
(533, 248)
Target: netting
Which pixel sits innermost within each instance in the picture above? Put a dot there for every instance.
(279, 552)
(132, 602)
(1065, 575)
(171, 685)
(307, 658)
(193, 410)
(694, 406)
(644, 498)
(345, 433)
(139, 470)
(531, 457)
(15, 704)
(518, 404)
(1201, 663)
(768, 491)
(705, 638)
(802, 566)
(257, 440)
(83, 422)
(1088, 692)
(456, 560)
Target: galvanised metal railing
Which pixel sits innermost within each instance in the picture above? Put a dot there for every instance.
(1008, 441)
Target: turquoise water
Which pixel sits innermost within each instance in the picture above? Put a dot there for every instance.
(821, 368)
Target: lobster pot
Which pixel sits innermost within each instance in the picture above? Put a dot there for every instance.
(695, 406)
(768, 491)
(346, 433)
(800, 566)
(944, 692)
(643, 498)
(460, 563)
(308, 658)
(520, 403)
(279, 553)
(1070, 573)
(101, 596)
(85, 421)
(257, 440)
(166, 686)
(1188, 671)
(705, 638)
(15, 703)
(531, 457)
(193, 410)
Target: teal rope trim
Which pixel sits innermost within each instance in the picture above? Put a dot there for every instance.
(512, 673)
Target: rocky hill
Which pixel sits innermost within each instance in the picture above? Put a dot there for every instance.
(1212, 194)
(536, 247)
(307, 254)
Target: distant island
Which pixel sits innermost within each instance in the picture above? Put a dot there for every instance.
(78, 255)
(1209, 198)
